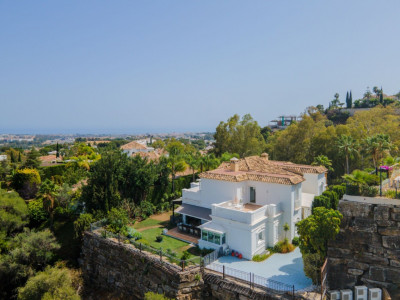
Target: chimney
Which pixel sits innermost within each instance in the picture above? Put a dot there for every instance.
(264, 156)
(234, 164)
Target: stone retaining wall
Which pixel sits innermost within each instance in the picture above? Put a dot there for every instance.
(123, 270)
(367, 249)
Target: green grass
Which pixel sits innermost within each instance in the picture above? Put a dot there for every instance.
(167, 242)
(261, 257)
(149, 222)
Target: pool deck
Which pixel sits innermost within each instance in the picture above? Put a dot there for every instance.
(285, 268)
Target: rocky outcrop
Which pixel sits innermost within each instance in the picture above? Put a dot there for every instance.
(367, 249)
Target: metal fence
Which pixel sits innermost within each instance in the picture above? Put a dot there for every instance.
(167, 256)
(211, 257)
(253, 280)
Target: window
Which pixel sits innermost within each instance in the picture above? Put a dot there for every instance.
(217, 239)
(260, 237)
(204, 235)
(252, 195)
(211, 237)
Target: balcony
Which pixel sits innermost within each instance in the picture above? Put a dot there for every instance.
(247, 213)
(192, 195)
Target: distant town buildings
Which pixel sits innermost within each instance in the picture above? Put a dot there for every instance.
(282, 122)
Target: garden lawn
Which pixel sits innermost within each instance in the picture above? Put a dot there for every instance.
(167, 242)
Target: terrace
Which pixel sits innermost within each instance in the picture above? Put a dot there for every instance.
(247, 213)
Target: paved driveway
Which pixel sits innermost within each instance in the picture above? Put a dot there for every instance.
(284, 268)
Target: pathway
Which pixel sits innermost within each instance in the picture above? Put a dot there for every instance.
(285, 268)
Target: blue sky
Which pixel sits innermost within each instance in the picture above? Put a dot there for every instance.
(163, 66)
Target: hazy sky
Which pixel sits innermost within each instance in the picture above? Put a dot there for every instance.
(160, 66)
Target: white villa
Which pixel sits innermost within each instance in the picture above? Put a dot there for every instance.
(243, 204)
(135, 147)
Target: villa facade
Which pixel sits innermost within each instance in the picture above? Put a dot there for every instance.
(243, 204)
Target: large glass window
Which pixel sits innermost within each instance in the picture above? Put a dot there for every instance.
(212, 237)
(204, 235)
(217, 239)
(252, 194)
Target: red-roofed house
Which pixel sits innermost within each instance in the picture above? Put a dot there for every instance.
(244, 203)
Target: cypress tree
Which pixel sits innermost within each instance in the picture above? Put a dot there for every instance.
(351, 100)
(381, 97)
(57, 150)
(347, 100)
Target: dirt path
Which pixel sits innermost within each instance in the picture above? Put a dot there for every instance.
(149, 227)
(161, 217)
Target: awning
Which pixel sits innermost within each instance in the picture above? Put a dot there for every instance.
(194, 211)
(213, 227)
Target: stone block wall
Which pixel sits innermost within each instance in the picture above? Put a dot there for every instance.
(121, 268)
(367, 249)
(124, 271)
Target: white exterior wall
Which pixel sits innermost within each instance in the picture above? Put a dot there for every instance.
(281, 204)
(314, 184)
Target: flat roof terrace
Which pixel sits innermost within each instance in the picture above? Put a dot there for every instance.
(241, 207)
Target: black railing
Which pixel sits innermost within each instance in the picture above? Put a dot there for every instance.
(253, 280)
(189, 229)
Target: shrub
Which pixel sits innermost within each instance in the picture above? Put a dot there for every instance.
(117, 219)
(13, 212)
(197, 277)
(26, 182)
(278, 247)
(130, 232)
(159, 238)
(260, 257)
(171, 253)
(185, 255)
(154, 296)
(312, 266)
(340, 190)
(392, 194)
(283, 247)
(52, 283)
(321, 201)
(137, 235)
(37, 214)
(369, 191)
(143, 241)
(333, 198)
(296, 241)
(82, 224)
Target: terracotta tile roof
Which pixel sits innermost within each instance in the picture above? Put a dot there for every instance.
(152, 155)
(258, 168)
(133, 145)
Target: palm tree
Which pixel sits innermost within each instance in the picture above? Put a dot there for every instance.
(323, 160)
(347, 145)
(209, 162)
(376, 145)
(286, 228)
(48, 191)
(193, 161)
(176, 162)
